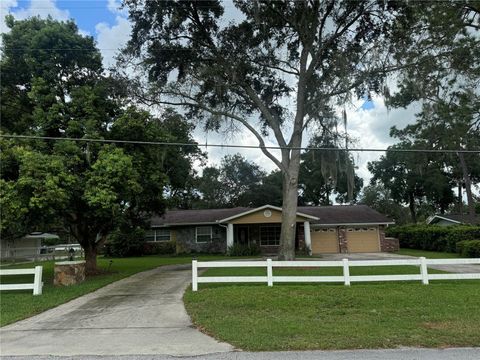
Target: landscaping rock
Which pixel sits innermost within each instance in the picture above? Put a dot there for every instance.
(68, 273)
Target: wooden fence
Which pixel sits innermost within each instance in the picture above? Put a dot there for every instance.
(345, 264)
(36, 286)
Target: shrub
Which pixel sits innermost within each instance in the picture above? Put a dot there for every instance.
(244, 250)
(433, 237)
(159, 248)
(125, 243)
(469, 248)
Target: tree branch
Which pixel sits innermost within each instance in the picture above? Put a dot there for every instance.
(241, 120)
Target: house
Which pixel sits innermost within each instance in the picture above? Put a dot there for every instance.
(453, 219)
(27, 246)
(327, 229)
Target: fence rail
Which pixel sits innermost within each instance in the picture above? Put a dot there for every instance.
(345, 264)
(36, 286)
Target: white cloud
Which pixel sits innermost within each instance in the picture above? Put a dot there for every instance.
(115, 7)
(370, 129)
(43, 9)
(5, 6)
(243, 137)
(112, 38)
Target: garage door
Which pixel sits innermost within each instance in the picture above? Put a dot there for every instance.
(324, 241)
(363, 239)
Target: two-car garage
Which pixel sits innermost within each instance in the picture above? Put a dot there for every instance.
(325, 240)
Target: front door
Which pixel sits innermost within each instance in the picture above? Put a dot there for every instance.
(242, 235)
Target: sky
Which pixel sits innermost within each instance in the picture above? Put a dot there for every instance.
(369, 122)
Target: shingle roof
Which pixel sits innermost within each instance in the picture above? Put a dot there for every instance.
(328, 215)
(345, 214)
(173, 217)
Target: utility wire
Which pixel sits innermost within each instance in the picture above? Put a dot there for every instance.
(163, 143)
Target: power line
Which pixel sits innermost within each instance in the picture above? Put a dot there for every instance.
(163, 143)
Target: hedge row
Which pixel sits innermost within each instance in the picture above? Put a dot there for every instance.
(469, 248)
(433, 237)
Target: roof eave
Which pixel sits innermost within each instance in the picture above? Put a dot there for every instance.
(354, 224)
(263, 208)
(443, 218)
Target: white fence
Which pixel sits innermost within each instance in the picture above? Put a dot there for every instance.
(36, 286)
(346, 278)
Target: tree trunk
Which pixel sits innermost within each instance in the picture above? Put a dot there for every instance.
(468, 187)
(411, 206)
(460, 198)
(89, 245)
(91, 259)
(289, 212)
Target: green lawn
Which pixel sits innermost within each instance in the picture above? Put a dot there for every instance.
(334, 316)
(427, 254)
(17, 305)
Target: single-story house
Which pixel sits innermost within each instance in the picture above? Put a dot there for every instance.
(27, 246)
(319, 229)
(453, 219)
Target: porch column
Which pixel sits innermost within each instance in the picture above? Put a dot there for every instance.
(229, 235)
(308, 239)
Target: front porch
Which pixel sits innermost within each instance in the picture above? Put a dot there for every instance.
(266, 236)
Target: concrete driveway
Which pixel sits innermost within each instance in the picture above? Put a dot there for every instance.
(142, 315)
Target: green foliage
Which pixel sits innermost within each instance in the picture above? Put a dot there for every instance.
(126, 243)
(244, 250)
(89, 189)
(433, 237)
(379, 198)
(160, 248)
(410, 178)
(469, 248)
(232, 184)
(444, 80)
(324, 173)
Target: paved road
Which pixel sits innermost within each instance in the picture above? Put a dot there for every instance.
(398, 354)
(142, 314)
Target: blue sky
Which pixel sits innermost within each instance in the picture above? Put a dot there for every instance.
(86, 13)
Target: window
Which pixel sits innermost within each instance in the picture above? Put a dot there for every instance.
(157, 235)
(270, 235)
(162, 235)
(203, 234)
(150, 235)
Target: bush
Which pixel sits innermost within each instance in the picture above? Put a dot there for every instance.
(125, 243)
(433, 237)
(469, 248)
(244, 250)
(159, 248)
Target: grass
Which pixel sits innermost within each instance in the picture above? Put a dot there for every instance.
(428, 254)
(333, 316)
(17, 305)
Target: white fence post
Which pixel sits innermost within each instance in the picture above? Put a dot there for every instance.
(194, 276)
(37, 281)
(424, 270)
(269, 272)
(346, 272)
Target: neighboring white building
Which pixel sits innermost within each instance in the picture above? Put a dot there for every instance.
(452, 219)
(25, 247)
